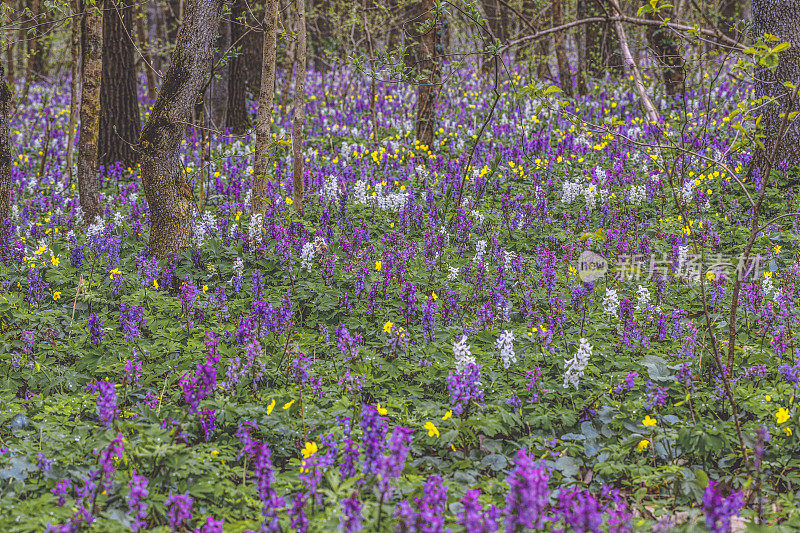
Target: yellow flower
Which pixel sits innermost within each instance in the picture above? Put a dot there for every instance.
(782, 415)
(382, 411)
(215, 452)
(448, 414)
(56, 295)
(288, 405)
(643, 444)
(289, 201)
(205, 288)
(648, 422)
(54, 261)
(710, 275)
(387, 327)
(777, 249)
(768, 398)
(271, 406)
(155, 284)
(432, 431)
(309, 449)
(433, 295)
(114, 272)
(378, 265)
(788, 432)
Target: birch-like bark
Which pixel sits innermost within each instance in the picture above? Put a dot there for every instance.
(299, 107)
(266, 104)
(647, 104)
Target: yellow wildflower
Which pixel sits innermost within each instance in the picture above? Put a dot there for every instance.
(788, 431)
(768, 398)
(648, 422)
(289, 201)
(309, 449)
(381, 410)
(448, 414)
(56, 295)
(782, 415)
(432, 431)
(155, 284)
(288, 405)
(271, 406)
(643, 444)
(387, 327)
(54, 261)
(378, 265)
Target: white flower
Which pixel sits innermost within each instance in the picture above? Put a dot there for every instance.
(506, 346)
(238, 267)
(480, 249)
(642, 298)
(307, 255)
(575, 367)
(254, 228)
(637, 195)
(767, 285)
(330, 189)
(590, 193)
(360, 192)
(611, 302)
(463, 355)
(570, 192)
(478, 216)
(453, 274)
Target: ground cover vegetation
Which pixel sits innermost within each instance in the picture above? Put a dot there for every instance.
(529, 306)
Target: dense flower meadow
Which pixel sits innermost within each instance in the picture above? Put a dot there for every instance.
(393, 359)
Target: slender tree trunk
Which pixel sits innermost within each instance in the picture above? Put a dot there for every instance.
(299, 107)
(5, 146)
(372, 91)
(580, 39)
(320, 33)
(144, 42)
(564, 71)
(237, 120)
(266, 105)
(74, 84)
(291, 63)
(427, 91)
(35, 68)
(10, 66)
(168, 193)
(92, 52)
(157, 32)
(218, 88)
(120, 123)
(781, 19)
(647, 104)
(667, 54)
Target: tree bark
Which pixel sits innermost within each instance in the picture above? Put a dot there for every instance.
(299, 108)
(647, 104)
(266, 105)
(120, 123)
(166, 188)
(92, 53)
(35, 69)
(237, 120)
(74, 84)
(564, 71)
(5, 146)
(667, 53)
(780, 18)
(320, 33)
(9, 48)
(147, 56)
(427, 90)
(218, 88)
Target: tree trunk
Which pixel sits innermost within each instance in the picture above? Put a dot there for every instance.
(157, 32)
(92, 53)
(35, 69)
(5, 146)
(731, 12)
(427, 90)
(495, 19)
(780, 18)
(667, 53)
(218, 88)
(266, 105)
(237, 120)
(147, 56)
(168, 193)
(580, 39)
(320, 33)
(75, 82)
(9, 47)
(119, 102)
(564, 71)
(299, 107)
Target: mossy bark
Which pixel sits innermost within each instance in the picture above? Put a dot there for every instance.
(299, 108)
(266, 105)
(5, 146)
(92, 53)
(428, 89)
(236, 118)
(168, 193)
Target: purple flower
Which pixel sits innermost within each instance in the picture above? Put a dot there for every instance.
(212, 525)
(61, 489)
(465, 388)
(373, 439)
(528, 494)
(350, 520)
(719, 509)
(95, 328)
(106, 400)
(579, 510)
(473, 518)
(136, 505)
(131, 320)
(429, 516)
(180, 510)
